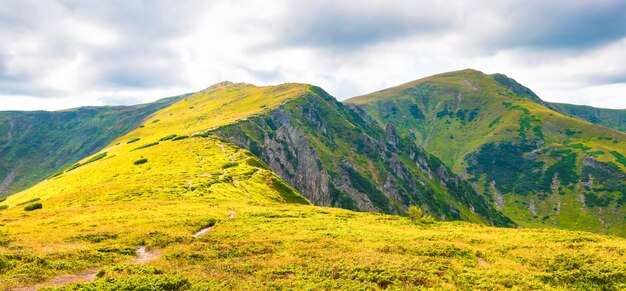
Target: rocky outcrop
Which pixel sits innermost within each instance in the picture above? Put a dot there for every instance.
(334, 157)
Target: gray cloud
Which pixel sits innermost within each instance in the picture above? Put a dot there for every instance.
(96, 49)
(342, 24)
(564, 24)
(488, 26)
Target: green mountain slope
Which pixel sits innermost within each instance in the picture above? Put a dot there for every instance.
(539, 167)
(611, 118)
(35, 144)
(153, 189)
(335, 158)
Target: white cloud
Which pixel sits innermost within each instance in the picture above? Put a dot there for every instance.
(63, 54)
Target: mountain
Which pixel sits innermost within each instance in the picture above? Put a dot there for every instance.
(35, 144)
(335, 158)
(611, 118)
(540, 167)
(172, 205)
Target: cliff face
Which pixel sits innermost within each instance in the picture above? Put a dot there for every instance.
(336, 158)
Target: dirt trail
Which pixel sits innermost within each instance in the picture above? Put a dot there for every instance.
(84, 276)
(144, 256)
(206, 230)
(223, 149)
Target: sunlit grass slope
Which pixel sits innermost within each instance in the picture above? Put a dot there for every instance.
(158, 185)
(152, 184)
(35, 144)
(307, 247)
(540, 168)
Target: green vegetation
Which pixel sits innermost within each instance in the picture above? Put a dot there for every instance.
(169, 137)
(28, 201)
(264, 234)
(513, 149)
(33, 206)
(287, 247)
(41, 143)
(3, 207)
(133, 140)
(619, 158)
(146, 145)
(611, 118)
(415, 213)
(140, 161)
(229, 165)
(180, 137)
(356, 158)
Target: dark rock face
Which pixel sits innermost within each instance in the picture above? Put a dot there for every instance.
(335, 158)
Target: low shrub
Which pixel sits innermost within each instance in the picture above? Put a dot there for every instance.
(415, 213)
(133, 140)
(29, 201)
(146, 146)
(171, 136)
(180, 137)
(229, 165)
(33, 206)
(3, 207)
(140, 161)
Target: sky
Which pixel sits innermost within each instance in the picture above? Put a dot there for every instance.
(63, 54)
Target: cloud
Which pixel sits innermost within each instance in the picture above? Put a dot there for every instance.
(122, 52)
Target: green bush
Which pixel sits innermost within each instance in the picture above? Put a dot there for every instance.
(3, 199)
(415, 213)
(427, 220)
(133, 140)
(171, 136)
(3, 207)
(29, 201)
(180, 137)
(146, 146)
(140, 161)
(33, 206)
(95, 158)
(229, 165)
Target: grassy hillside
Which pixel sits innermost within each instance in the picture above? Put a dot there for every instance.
(149, 187)
(35, 144)
(611, 118)
(539, 167)
(156, 186)
(335, 158)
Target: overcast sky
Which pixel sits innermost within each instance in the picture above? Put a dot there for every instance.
(62, 54)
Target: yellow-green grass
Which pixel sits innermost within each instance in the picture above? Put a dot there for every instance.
(184, 186)
(139, 194)
(95, 215)
(307, 247)
(218, 105)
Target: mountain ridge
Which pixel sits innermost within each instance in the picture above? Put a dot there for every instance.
(466, 117)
